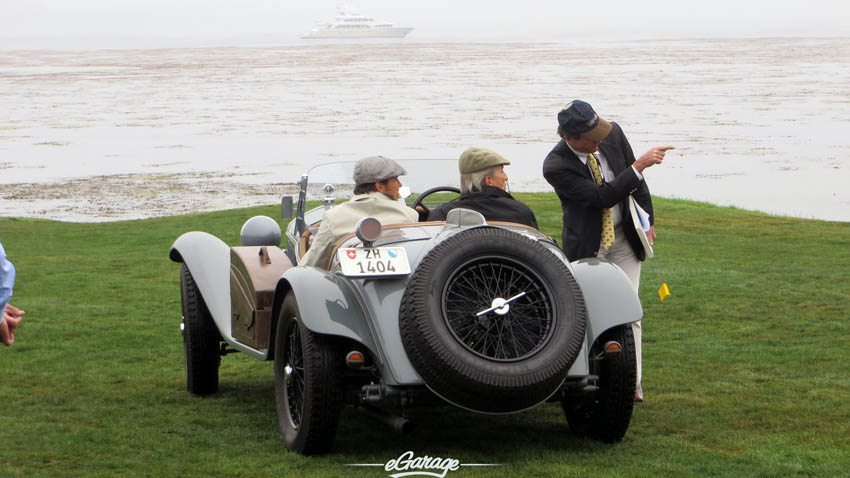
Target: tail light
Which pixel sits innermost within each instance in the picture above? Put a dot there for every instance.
(355, 360)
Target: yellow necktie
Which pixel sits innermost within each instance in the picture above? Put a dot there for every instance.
(607, 216)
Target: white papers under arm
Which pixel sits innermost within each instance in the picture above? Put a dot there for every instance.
(643, 216)
(640, 221)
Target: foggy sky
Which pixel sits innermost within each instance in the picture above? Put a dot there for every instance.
(45, 22)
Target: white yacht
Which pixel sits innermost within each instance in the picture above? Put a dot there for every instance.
(349, 24)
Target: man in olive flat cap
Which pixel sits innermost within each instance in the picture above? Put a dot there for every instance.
(593, 171)
(376, 194)
(483, 187)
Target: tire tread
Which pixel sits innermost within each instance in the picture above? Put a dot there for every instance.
(200, 339)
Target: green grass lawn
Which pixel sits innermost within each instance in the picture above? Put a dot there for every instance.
(746, 364)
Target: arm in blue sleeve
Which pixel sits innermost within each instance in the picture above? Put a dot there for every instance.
(7, 280)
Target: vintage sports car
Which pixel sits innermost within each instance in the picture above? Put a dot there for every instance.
(490, 317)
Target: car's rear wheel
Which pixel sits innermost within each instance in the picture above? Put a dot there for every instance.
(605, 415)
(492, 320)
(307, 383)
(200, 338)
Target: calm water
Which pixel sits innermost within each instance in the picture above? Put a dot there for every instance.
(101, 135)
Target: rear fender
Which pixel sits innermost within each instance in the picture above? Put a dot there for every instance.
(327, 306)
(609, 296)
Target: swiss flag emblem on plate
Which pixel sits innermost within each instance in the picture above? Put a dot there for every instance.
(351, 253)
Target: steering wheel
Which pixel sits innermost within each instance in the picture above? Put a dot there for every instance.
(428, 192)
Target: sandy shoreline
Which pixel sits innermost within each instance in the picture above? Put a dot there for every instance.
(123, 197)
(135, 196)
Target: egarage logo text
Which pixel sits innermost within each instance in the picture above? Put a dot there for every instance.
(408, 464)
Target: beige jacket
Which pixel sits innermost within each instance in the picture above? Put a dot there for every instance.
(342, 219)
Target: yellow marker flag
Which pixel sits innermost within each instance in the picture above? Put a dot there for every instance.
(663, 292)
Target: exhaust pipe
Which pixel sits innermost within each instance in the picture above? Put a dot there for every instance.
(399, 424)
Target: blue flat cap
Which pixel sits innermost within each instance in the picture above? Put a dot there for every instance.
(578, 118)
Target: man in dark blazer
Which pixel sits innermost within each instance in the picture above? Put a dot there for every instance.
(593, 171)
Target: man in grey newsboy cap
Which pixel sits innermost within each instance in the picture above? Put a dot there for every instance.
(375, 169)
(593, 171)
(376, 194)
(484, 188)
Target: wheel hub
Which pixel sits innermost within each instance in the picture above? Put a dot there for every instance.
(500, 306)
(287, 374)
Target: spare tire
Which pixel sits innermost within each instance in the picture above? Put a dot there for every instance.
(492, 320)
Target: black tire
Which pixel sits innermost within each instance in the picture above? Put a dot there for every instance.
(606, 414)
(200, 338)
(502, 361)
(308, 391)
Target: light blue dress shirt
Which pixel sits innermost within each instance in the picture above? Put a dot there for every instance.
(7, 280)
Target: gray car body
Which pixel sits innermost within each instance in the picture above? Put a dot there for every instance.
(366, 310)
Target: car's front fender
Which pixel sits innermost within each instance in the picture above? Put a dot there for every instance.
(208, 259)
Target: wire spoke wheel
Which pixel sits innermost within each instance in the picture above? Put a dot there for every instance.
(308, 393)
(294, 380)
(512, 332)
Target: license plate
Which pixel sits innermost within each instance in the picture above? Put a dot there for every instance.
(373, 261)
